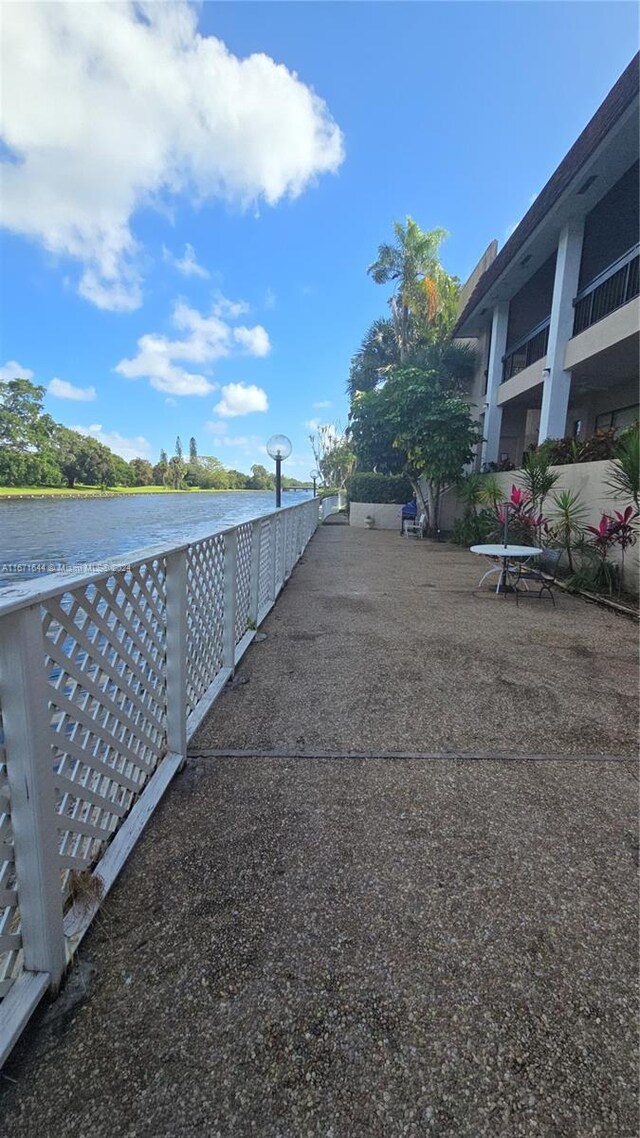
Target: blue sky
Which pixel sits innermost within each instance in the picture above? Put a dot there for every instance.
(191, 195)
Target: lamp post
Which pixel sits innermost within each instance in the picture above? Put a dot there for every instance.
(315, 474)
(505, 529)
(278, 447)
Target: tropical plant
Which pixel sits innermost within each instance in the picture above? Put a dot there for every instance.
(377, 352)
(594, 574)
(475, 528)
(520, 516)
(608, 533)
(454, 363)
(625, 533)
(567, 522)
(469, 490)
(623, 476)
(537, 478)
(491, 491)
(425, 296)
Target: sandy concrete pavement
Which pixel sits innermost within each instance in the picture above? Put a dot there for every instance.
(370, 948)
(386, 643)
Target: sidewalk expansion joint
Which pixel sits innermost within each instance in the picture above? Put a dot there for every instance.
(429, 756)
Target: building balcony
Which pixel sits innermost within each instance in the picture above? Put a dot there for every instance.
(527, 351)
(615, 286)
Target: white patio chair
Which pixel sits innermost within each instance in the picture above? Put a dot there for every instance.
(417, 528)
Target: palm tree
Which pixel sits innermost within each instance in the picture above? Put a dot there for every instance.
(377, 352)
(424, 294)
(624, 472)
(453, 362)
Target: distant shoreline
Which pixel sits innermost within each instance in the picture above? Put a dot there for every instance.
(24, 493)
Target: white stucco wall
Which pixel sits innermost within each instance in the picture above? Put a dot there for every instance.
(384, 514)
(588, 478)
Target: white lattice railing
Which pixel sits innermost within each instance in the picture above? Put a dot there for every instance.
(103, 678)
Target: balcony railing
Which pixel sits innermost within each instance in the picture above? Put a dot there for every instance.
(531, 348)
(617, 285)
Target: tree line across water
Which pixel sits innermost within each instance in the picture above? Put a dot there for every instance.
(35, 451)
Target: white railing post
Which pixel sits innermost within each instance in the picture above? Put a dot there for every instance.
(284, 552)
(176, 641)
(282, 566)
(229, 617)
(254, 586)
(273, 567)
(278, 552)
(27, 731)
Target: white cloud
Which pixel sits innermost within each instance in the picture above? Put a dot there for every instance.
(188, 264)
(63, 390)
(241, 399)
(270, 299)
(249, 444)
(254, 340)
(13, 370)
(125, 106)
(305, 462)
(170, 402)
(206, 339)
(321, 404)
(137, 447)
(231, 308)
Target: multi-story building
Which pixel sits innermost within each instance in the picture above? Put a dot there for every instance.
(555, 314)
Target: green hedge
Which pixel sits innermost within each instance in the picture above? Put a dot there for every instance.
(370, 487)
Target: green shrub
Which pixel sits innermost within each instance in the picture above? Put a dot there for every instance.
(371, 487)
(595, 576)
(475, 529)
(561, 452)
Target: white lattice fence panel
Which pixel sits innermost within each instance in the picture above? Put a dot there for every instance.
(10, 938)
(205, 615)
(106, 662)
(279, 522)
(306, 526)
(266, 564)
(288, 543)
(244, 535)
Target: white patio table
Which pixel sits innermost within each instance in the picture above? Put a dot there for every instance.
(506, 553)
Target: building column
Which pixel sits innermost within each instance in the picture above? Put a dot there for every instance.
(557, 381)
(493, 413)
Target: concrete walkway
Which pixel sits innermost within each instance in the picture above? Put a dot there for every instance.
(364, 947)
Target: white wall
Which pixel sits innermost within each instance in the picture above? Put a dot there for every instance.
(385, 515)
(586, 477)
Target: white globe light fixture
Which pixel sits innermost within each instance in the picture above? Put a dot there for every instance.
(315, 474)
(278, 448)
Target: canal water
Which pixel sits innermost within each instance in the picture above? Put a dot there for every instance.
(66, 534)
